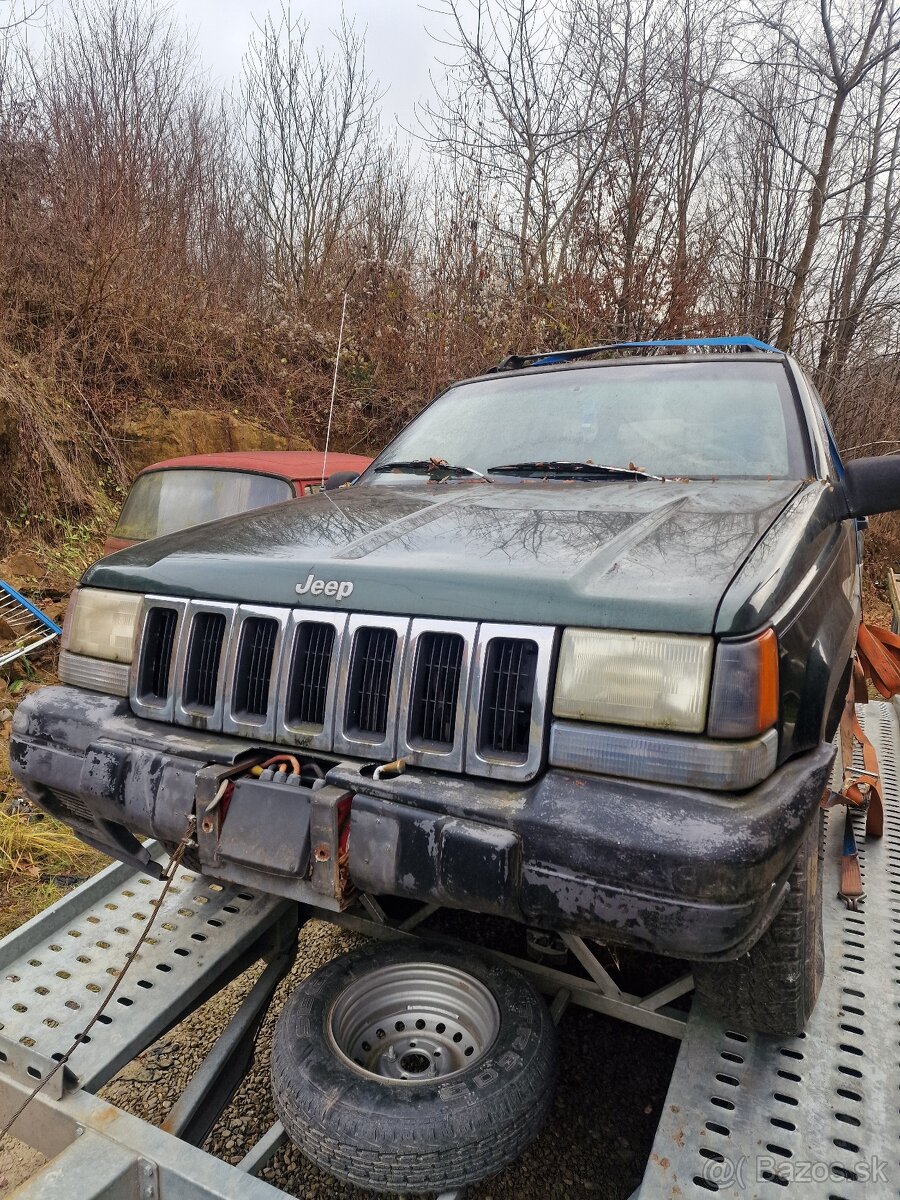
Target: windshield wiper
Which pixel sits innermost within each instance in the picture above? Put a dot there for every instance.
(572, 470)
(434, 468)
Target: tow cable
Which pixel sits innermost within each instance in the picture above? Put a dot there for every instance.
(168, 877)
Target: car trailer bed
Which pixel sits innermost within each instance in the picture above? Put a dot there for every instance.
(815, 1115)
(744, 1116)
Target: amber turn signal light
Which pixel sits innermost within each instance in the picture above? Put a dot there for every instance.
(744, 696)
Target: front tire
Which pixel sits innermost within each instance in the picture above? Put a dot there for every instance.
(414, 1067)
(773, 988)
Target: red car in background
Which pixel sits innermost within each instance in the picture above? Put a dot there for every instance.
(180, 492)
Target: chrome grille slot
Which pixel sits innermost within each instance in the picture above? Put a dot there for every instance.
(253, 668)
(307, 689)
(371, 666)
(435, 694)
(435, 689)
(510, 685)
(307, 701)
(201, 672)
(371, 678)
(505, 722)
(156, 655)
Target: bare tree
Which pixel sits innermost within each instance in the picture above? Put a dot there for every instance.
(588, 169)
(310, 125)
(697, 49)
(760, 183)
(836, 55)
(530, 104)
(127, 135)
(866, 230)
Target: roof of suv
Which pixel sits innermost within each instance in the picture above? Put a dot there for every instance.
(545, 358)
(636, 360)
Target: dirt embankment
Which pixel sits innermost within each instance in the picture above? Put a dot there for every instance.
(152, 435)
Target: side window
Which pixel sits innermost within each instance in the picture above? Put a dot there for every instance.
(832, 444)
(838, 468)
(825, 430)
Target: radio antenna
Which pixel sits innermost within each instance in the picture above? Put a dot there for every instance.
(337, 360)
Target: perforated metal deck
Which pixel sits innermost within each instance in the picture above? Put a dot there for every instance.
(56, 969)
(815, 1115)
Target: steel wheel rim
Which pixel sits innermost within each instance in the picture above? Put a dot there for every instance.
(413, 1022)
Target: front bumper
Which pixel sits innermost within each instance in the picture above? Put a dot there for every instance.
(694, 874)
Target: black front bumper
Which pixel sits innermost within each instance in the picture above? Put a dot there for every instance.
(679, 871)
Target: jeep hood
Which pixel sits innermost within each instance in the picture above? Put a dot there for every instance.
(637, 555)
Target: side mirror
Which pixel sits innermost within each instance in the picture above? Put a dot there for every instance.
(340, 479)
(872, 485)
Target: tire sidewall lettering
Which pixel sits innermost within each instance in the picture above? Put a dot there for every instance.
(460, 1091)
(522, 1038)
(491, 1070)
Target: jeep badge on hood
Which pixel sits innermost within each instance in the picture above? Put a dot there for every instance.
(339, 588)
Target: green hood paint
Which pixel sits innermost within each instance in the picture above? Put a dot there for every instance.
(645, 555)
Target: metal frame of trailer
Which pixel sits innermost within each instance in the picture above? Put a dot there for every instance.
(744, 1115)
(816, 1115)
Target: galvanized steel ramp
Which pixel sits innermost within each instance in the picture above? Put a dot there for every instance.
(54, 971)
(816, 1115)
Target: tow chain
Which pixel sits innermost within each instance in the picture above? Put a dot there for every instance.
(186, 843)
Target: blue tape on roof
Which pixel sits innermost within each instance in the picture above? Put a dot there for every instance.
(744, 340)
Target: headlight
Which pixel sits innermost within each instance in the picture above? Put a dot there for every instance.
(654, 680)
(101, 624)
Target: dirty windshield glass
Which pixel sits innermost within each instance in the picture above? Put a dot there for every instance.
(723, 419)
(165, 501)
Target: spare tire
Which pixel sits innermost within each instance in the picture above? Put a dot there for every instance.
(414, 1066)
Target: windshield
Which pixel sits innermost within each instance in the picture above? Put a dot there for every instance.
(673, 418)
(166, 501)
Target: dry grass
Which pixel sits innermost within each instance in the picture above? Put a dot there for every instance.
(39, 861)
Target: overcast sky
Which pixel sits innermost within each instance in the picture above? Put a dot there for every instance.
(399, 50)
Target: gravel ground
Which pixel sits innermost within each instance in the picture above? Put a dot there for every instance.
(18, 1162)
(613, 1083)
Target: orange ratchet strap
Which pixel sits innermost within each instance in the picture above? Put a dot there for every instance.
(877, 658)
(878, 653)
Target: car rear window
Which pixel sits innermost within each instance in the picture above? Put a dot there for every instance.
(166, 501)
